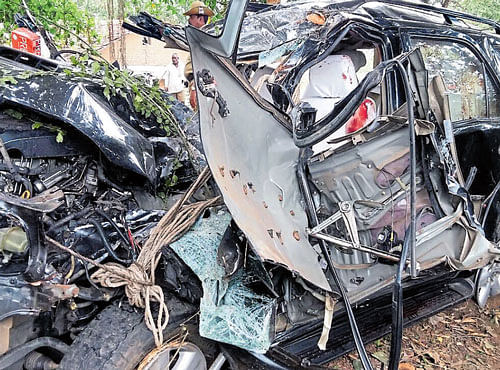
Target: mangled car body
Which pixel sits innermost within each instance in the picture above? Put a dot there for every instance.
(356, 147)
(352, 150)
(82, 170)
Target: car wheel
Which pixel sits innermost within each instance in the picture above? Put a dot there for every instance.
(119, 339)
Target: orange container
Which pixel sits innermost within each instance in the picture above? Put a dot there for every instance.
(25, 40)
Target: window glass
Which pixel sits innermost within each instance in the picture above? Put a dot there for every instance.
(495, 104)
(470, 92)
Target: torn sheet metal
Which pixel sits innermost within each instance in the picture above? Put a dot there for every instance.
(253, 160)
(230, 312)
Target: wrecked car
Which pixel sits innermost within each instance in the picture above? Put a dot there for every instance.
(355, 145)
(86, 171)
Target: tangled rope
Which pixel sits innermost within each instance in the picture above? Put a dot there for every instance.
(139, 278)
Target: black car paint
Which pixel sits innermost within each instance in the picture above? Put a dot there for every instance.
(75, 104)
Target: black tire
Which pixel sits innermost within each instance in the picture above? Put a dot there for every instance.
(119, 339)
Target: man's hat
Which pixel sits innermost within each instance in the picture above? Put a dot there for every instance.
(199, 8)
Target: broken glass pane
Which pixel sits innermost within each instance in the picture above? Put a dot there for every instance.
(241, 317)
(230, 312)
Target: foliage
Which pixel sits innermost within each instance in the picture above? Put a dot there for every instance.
(50, 13)
(58, 130)
(147, 100)
(484, 8)
(172, 10)
(36, 124)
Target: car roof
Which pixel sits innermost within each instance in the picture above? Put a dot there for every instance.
(385, 12)
(273, 26)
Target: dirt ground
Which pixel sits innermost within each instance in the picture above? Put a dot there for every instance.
(463, 337)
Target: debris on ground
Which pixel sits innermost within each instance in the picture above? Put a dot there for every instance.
(461, 338)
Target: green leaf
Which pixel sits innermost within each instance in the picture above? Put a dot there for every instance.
(108, 81)
(36, 125)
(7, 79)
(24, 75)
(106, 93)
(14, 113)
(60, 136)
(96, 67)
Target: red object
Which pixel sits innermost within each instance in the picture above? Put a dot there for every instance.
(25, 40)
(366, 113)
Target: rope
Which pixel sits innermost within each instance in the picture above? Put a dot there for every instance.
(139, 278)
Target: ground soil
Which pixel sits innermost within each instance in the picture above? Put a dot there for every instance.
(463, 337)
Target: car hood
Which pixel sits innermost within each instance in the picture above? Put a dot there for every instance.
(75, 103)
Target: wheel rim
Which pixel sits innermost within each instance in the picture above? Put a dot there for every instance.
(185, 356)
(487, 283)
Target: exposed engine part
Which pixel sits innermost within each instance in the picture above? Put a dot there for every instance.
(13, 239)
(387, 239)
(76, 200)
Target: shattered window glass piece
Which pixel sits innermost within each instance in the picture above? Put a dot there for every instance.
(241, 317)
(230, 312)
(198, 247)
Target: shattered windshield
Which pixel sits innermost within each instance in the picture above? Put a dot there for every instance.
(269, 29)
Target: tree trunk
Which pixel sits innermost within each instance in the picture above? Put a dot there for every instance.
(111, 30)
(122, 55)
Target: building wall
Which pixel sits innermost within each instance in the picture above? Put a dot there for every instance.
(145, 54)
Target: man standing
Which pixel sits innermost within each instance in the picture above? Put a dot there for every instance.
(174, 78)
(198, 15)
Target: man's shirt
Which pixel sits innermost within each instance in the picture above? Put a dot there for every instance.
(174, 77)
